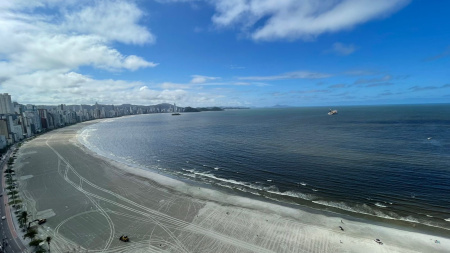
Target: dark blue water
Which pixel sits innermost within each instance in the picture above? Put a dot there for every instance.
(386, 161)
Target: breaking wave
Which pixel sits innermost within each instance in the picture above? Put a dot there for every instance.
(380, 205)
(367, 210)
(254, 188)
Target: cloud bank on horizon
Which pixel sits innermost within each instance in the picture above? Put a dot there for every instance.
(294, 52)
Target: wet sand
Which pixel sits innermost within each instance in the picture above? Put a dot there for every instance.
(89, 202)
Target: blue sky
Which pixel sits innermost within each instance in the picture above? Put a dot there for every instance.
(225, 52)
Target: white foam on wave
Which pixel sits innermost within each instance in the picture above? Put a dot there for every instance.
(216, 168)
(269, 180)
(315, 190)
(294, 194)
(219, 178)
(304, 184)
(363, 209)
(84, 135)
(242, 185)
(447, 219)
(380, 205)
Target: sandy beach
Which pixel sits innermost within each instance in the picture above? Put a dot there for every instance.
(89, 202)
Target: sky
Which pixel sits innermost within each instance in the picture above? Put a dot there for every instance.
(252, 53)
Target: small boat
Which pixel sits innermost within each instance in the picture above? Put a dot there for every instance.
(176, 114)
(332, 112)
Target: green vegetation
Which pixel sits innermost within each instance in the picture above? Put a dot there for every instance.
(48, 240)
(9, 170)
(15, 201)
(14, 197)
(202, 109)
(40, 250)
(9, 179)
(210, 109)
(11, 182)
(3, 150)
(23, 218)
(13, 192)
(11, 188)
(35, 243)
(31, 233)
(190, 109)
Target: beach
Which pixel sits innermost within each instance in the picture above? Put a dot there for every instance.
(90, 201)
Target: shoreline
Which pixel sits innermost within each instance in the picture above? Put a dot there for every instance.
(308, 206)
(207, 221)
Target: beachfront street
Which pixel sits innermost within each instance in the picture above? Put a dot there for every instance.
(9, 238)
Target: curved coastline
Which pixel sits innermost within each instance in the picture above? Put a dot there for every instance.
(306, 204)
(212, 219)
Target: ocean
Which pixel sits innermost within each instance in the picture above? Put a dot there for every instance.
(388, 162)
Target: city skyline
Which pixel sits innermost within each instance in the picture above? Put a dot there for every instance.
(21, 121)
(225, 53)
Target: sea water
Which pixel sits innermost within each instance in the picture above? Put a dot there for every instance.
(391, 162)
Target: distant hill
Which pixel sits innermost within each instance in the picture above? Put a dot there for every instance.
(281, 106)
(202, 109)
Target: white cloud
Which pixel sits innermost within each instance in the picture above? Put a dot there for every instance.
(49, 51)
(37, 42)
(68, 87)
(49, 40)
(342, 49)
(198, 79)
(113, 20)
(304, 19)
(59, 86)
(133, 62)
(290, 75)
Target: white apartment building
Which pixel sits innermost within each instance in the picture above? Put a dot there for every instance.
(6, 106)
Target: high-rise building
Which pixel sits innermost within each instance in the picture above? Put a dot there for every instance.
(6, 106)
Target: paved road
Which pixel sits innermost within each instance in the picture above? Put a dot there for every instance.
(9, 237)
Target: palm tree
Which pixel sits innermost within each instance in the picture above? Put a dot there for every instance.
(31, 234)
(35, 243)
(48, 239)
(23, 217)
